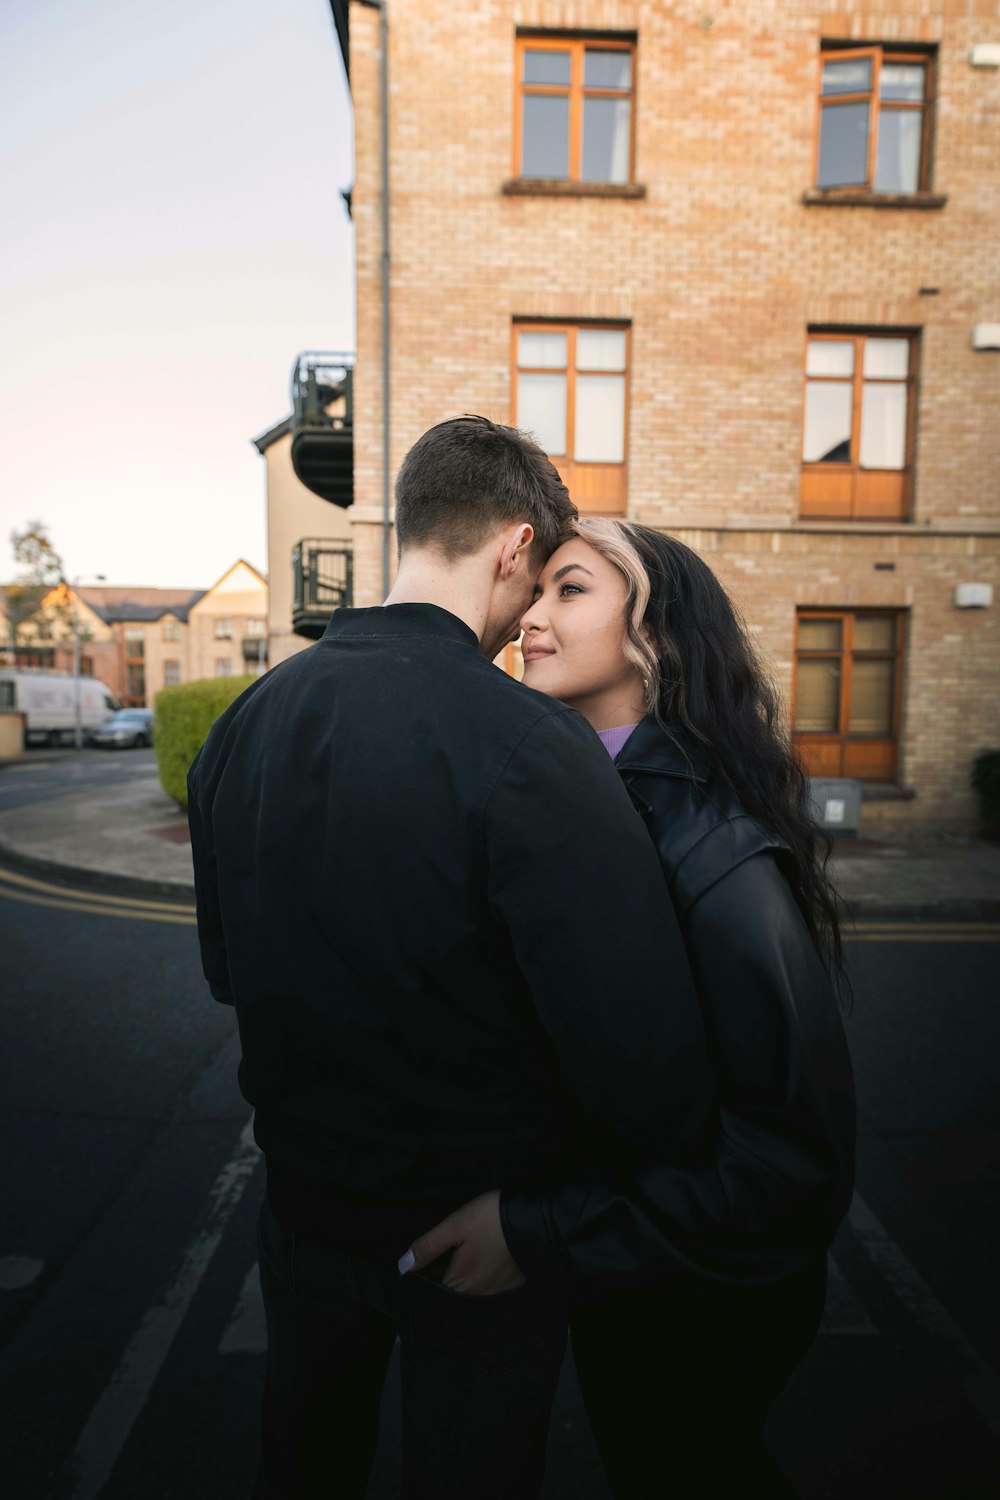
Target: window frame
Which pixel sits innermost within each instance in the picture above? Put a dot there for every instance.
(221, 634)
(570, 468)
(577, 45)
(819, 740)
(812, 510)
(879, 53)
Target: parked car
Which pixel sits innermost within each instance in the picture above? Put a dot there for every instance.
(129, 727)
(50, 702)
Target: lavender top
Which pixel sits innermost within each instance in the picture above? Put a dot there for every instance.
(614, 740)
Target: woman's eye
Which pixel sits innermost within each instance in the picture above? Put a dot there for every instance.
(566, 588)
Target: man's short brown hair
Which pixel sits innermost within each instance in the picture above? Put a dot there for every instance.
(468, 477)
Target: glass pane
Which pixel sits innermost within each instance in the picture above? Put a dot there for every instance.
(897, 157)
(817, 697)
(843, 146)
(607, 70)
(902, 81)
(600, 349)
(874, 633)
(883, 427)
(819, 635)
(600, 419)
(541, 409)
(546, 67)
(871, 697)
(827, 436)
(829, 357)
(542, 351)
(605, 139)
(887, 359)
(545, 136)
(852, 75)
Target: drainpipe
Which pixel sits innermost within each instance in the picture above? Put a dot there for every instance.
(381, 7)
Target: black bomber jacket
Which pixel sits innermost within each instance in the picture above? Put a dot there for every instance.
(768, 1193)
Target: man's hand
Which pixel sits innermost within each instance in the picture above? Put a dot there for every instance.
(481, 1264)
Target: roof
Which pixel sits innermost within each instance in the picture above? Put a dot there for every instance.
(339, 8)
(138, 604)
(280, 429)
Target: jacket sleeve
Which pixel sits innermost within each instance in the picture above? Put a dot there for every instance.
(770, 1192)
(211, 938)
(576, 881)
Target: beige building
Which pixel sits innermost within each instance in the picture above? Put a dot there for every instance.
(139, 640)
(309, 562)
(737, 267)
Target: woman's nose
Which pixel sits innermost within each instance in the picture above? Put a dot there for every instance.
(531, 619)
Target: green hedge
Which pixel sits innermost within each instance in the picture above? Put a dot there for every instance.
(184, 715)
(986, 784)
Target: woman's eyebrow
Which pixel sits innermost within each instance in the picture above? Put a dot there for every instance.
(568, 569)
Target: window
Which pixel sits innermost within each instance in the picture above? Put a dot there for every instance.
(857, 428)
(256, 627)
(171, 672)
(135, 668)
(571, 392)
(874, 120)
(575, 110)
(223, 666)
(848, 666)
(171, 630)
(223, 630)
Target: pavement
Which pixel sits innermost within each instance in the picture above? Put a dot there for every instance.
(132, 839)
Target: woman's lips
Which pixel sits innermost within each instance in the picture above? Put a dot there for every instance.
(536, 652)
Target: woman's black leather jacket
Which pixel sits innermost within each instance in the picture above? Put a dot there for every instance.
(767, 1193)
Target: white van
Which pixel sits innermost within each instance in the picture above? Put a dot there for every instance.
(48, 701)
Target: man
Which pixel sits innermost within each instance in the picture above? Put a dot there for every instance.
(443, 928)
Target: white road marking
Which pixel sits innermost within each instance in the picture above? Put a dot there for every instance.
(109, 1424)
(980, 1382)
(17, 1271)
(246, 1331)
(843, 1313)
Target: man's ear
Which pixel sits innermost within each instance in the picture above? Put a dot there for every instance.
(516, 549)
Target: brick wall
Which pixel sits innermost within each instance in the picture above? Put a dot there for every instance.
(720, 267)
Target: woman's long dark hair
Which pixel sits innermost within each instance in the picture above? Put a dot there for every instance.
(709, 680)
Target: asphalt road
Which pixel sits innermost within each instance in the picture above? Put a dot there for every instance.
(42, 774)
(131, 1327)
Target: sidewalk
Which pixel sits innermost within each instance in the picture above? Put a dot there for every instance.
(133, 839)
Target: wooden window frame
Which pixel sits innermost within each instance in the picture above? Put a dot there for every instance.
(599, 489)
(879, 54)
(860, 499)
(577, 91)
(867, 757)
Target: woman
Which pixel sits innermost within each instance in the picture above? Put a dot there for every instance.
(728, 1252)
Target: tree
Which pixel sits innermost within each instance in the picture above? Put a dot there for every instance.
(40, 570)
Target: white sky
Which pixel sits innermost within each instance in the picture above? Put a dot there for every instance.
(172, 236)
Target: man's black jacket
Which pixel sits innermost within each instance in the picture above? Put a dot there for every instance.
(767, 1196)
(452, 953)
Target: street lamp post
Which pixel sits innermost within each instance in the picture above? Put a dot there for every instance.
(77, 714)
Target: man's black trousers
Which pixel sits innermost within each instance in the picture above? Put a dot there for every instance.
(478, 1377)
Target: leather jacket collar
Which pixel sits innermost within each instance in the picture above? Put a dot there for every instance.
(664, 751)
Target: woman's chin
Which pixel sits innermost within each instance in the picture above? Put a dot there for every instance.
(536, 677)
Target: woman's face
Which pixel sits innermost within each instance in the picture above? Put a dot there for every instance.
(574, 633)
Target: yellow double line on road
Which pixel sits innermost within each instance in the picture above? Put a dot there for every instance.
(923, 932)
(15, 887)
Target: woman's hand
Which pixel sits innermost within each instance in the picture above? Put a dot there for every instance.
(481, 1265)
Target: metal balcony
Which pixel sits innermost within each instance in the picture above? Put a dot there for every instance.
(323, 425)
(323, 576)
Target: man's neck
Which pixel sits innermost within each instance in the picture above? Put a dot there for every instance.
(427, 578)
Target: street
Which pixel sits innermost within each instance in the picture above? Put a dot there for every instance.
(131, 1325)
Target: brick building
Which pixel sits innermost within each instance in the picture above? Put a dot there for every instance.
(738, 267)
(139, 640)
